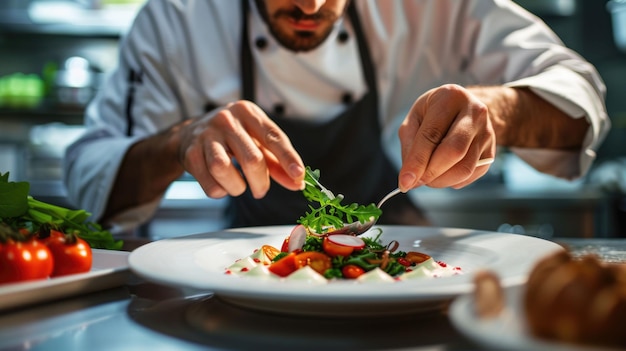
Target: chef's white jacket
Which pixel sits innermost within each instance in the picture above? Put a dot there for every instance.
(188, 53)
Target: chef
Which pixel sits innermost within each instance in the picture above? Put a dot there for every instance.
(242, 95)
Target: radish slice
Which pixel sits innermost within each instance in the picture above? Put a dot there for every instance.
(297, 238)
(347, 240)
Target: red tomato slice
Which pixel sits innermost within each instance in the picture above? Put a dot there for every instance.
(284, 266)
(316, 260)
(333, 249)
(285, 246)
(22, 261)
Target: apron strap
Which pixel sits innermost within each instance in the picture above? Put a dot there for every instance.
(246, 64)
(367, 66)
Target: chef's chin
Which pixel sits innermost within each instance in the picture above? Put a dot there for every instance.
(301, 41)
(280, 25)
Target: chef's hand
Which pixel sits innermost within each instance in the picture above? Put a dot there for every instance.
(240, 133)
(445, 133)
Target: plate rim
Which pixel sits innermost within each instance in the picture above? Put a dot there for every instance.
(514, 337)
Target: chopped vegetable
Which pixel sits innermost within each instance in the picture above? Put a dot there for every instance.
(284, 266)
(334, 250)
(347, 240)
(316, 260)
(296, 238)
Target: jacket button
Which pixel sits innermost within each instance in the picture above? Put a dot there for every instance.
(279, 109)
(261, 43)
(343, 36)
(346, 98)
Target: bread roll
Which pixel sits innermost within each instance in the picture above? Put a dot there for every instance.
(580, 301)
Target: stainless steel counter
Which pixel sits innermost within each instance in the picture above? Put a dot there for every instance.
(152, 317)
(146, 316)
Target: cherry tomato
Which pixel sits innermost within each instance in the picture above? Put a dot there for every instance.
(284, 266)
(352, 271)
(71, 254)
(333, 249)
(22, 261)
(316, 260)
(285, 246)
(403, 261)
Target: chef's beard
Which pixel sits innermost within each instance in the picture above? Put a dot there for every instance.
(300, 40)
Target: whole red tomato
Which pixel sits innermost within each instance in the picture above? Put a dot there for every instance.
(21, 261)
(352, 271)
(71, 254)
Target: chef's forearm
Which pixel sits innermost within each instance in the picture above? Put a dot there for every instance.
(523, 119)
(148, 169)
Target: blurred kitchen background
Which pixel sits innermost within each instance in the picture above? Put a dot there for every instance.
(55, 54)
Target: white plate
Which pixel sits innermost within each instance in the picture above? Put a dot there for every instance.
(200, 261)
(109, 269)
(507, 331)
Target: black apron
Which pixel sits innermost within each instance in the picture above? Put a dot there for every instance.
(347, 150)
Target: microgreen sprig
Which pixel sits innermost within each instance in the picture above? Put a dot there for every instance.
(331, 214)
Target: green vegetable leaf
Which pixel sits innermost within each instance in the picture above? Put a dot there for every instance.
(71, 221)
(13, 197)
(19, 210)
(331, 213)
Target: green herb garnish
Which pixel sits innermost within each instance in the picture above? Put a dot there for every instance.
(331, 213)
(21, 211)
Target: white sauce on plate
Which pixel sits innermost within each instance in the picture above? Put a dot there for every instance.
(256, 265)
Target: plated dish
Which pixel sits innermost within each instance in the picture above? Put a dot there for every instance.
(109, 269)
(200, 261)
(506, 331)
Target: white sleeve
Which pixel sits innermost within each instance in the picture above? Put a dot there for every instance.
(420, 45)
(533, 57)
(571, 94)
(136, 101)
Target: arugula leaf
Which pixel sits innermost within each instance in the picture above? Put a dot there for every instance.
(331, 213)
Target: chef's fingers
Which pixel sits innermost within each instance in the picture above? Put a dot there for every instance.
(222, 177)
(246, 152)
(269, 136)
(208, 161)
(422, 131)
(479, 171)
(456, 156)
(278, 173)
(465, 171)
